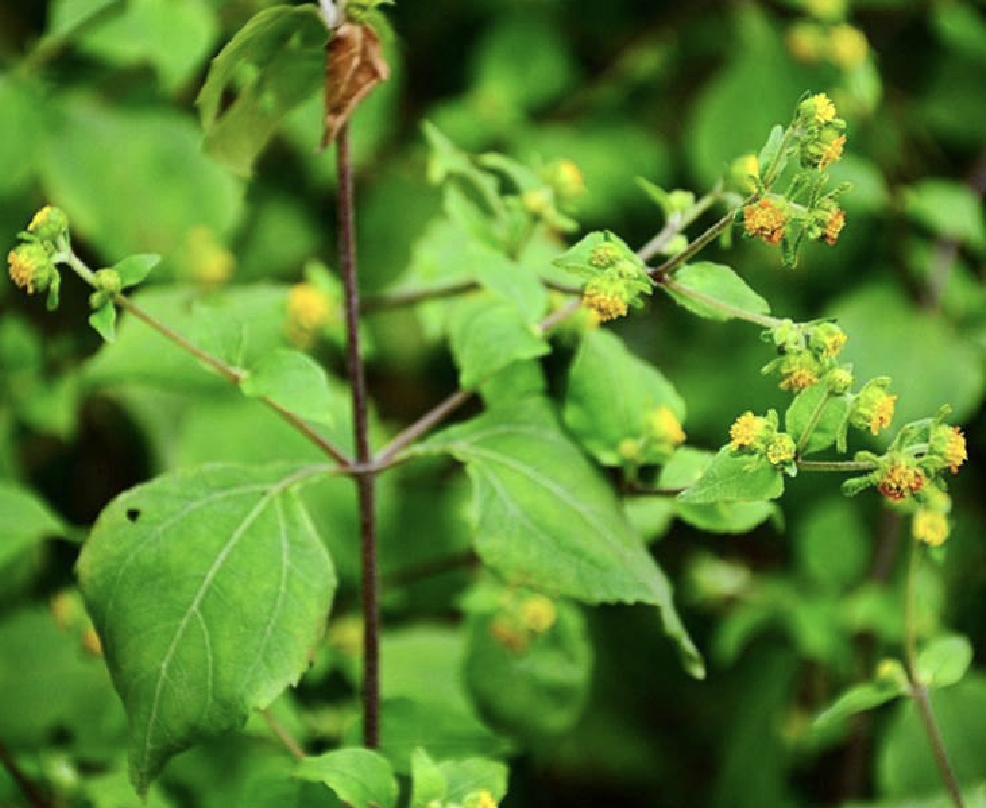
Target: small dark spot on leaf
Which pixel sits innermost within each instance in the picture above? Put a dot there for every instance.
(133, 514)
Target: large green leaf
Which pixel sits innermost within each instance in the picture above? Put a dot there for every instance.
(487, 335)
(610, 394)
(296, 382)
(285, 46)
(828, 423)
(156, 164)
(361, 778)
(543, 516)
(208, 589)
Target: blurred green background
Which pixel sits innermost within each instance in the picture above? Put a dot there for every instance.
(97, 116)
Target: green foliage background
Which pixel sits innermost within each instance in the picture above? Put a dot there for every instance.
(788, 612)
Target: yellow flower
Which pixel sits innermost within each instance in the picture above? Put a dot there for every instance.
(781, 449)
(832, 152)
(606, 305)
(309, 308)
(743, 170)
(40, 219)
(206, 259)
(507, 634)
(798, 379)
(30, 267)
(536, 200)
(900, 479)
(824, 108)
(537, 614)
(929, 526)
(764, 219)
(604, 256)
(955, 450)
(833, 226)
(663, 426)
(804, 40)
(883, 413)
(743, 433)
(480, 799)
(567, 180)
(847, 46)
(21, 270)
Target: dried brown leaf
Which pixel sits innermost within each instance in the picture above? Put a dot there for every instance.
(354, 65)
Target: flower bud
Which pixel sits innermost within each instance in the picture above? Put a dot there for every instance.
(948, 443)
(781, 449)
(108, 280)
(31, 267)
(874, 408)
(606, 297)
(899, 477)
(930, 526)
(839, 380)
(827, 340)
(765, 219)
(48, 224)
(565, 179)
(537, 614)
(309, 309)
(847, 46)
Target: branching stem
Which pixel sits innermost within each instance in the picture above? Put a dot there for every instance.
(365, 483)
(918, 690)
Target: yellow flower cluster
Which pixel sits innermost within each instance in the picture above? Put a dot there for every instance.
(930, 526)
(798, 379)
(663, 426)
(883, 413)
(309, 309)
(900, 479)
(832, 152)
(955, 450)
(744, 432)
(606, 305)
(765, 219)
(23, 267)
(833, 226)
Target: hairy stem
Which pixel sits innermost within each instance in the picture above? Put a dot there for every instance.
(661, 272)
(228, 372)
(365, 483)
(835, 465)
(918, 691)
(675, 225)
(411, 297)
(31, 791)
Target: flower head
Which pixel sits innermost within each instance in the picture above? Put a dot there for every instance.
(30, 267)
(537, 613)
(48, 223)
(480, 799)
(820, 107)
(847, 46)
(832, 152)
(883, 414)
(799, 371)
(566, 179)
(930, 526)
(874, 409)
(781, 449)
(605, 255)
(745, 431)
(900, 478)
(309, 308)
(827, 340)
(605, 298)
(765, 219)
(948, 443)
(833, 226)
(662, 426)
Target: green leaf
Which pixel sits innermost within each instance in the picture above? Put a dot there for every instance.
(361, 778)
(944, 660)
(486, 335)
(26, 521)
(831, 544)
(685, 468)
(611, 393)
(296, 382)
(285, 45)
(543, 516)
(508, 279)
(134, 268)
(770, 151)
(407, 724)
(174, 38)
(66, 16)
(577, 258)
(857, 699)
(427, 781)
(830, 422)
(950, 209)
(168, 184)
(549, 679)
(726, 293)
(465, 777)
(733, 476)
(208, 589)
(104, 321)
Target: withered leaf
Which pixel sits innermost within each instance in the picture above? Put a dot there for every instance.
(354, 65)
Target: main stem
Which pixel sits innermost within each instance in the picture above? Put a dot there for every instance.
(919, 692)
(365, 482)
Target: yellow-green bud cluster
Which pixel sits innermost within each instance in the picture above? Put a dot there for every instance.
(822, 140)
(808, 354)
(759, 435)
(617, 278)
(31, 264)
